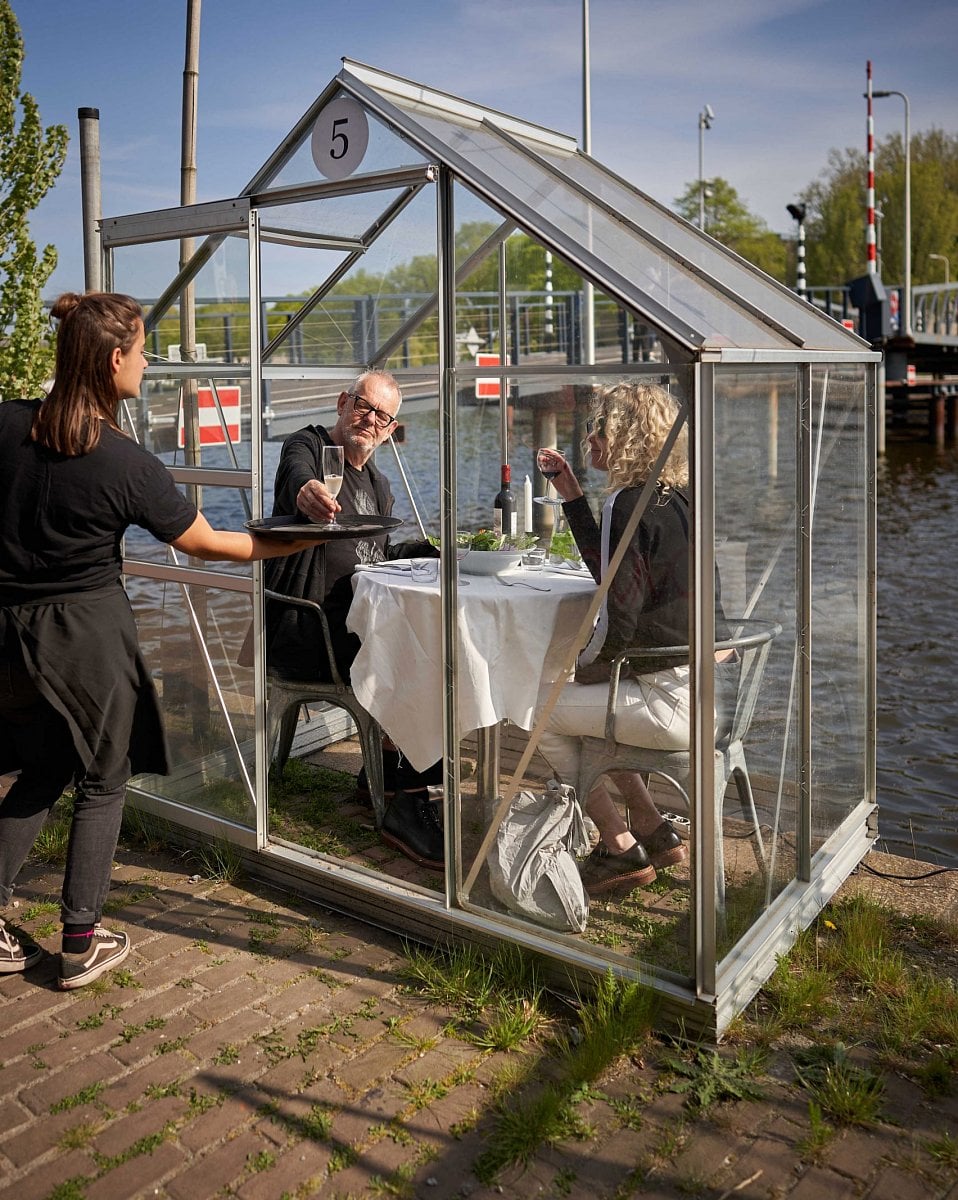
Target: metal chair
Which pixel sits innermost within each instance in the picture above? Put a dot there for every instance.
(286, 696)
(752, 640)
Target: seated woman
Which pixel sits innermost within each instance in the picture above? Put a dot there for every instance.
(647, 605)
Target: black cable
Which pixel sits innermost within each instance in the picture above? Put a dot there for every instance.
(888, 875)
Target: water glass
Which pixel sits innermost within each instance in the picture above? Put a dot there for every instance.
(533, 558)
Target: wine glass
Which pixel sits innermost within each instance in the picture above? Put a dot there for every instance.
(463, 543)
(545, 464)
(333, 475)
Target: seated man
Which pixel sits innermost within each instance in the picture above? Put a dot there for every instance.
(366, 415)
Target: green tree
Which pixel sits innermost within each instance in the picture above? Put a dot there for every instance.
(835, 225)
(30, 161)
(728, 220)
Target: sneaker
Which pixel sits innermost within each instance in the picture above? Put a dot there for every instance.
(107, 950)
(14, 954)
(664, 847)
(411, 826)
(604, 873)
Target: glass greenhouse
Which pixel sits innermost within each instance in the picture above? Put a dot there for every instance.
(501, 275)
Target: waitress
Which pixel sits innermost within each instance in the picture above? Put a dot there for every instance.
(77, 705)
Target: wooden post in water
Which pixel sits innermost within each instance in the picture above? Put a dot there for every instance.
(543, 434)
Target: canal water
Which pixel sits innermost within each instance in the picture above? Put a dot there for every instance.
(918, 652)
(917, 648)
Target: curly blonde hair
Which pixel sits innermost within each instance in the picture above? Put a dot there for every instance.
(635, 419)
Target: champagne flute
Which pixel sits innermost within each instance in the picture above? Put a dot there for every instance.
(333, 475)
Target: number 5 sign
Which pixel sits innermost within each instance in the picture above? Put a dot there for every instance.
(340, 137)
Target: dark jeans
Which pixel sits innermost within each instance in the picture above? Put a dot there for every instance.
(49, 764)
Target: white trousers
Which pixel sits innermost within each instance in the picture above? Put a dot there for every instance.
(652, 710)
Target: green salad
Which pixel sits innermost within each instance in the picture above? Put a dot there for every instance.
(488, 539)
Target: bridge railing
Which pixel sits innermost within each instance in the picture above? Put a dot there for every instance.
(351, 328)
(835, 301)
(935, 309)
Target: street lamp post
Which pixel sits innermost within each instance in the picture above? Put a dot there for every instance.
(907, 304)
(943, 258)
(798, 212)
(706, 117)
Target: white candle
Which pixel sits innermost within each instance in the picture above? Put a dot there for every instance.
(527, 496)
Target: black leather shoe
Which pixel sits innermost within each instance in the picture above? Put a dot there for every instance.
(664, 847)
(411, 826)
(607, 874)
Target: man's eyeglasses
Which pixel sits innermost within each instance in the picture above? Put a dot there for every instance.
(362, 408)
(595, 425)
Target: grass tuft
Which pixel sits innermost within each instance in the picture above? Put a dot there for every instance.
(842, 1091)
(220, 861)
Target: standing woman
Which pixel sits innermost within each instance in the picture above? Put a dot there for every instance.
(77, 705)
(647, 605)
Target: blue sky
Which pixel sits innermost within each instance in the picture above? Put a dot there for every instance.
(785, 81)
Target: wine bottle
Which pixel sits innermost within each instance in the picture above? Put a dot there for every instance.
(504, 507)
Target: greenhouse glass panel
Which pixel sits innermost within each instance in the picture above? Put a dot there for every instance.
(374, 296)
(520, 632)
(689, 244)
(839, 633)
(756, 550)
(191, 639)
(346, 138)
(643, 270)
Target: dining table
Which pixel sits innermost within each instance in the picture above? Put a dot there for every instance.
(517, 631)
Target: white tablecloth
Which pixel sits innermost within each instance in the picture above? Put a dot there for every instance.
(512, 640)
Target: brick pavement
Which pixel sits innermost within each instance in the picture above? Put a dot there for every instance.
(262, 1048)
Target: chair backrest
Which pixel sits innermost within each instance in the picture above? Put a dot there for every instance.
(311, 605)
(752, 638)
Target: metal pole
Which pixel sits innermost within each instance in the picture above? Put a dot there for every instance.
(701, 172)
(192, 452)
(906, 329)
(943, 258)
(706, 117)
(798, 212)
(191, 418)
(549, 328)
(586, 85)
(800, 268)
(588, 291)
(907, 215)
(89, 119)
(870, 196)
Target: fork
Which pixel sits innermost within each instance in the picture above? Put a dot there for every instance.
(522, 583)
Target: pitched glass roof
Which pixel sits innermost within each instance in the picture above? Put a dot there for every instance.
(702, 294)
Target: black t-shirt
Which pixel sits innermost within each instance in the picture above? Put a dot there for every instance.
(62, 519)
